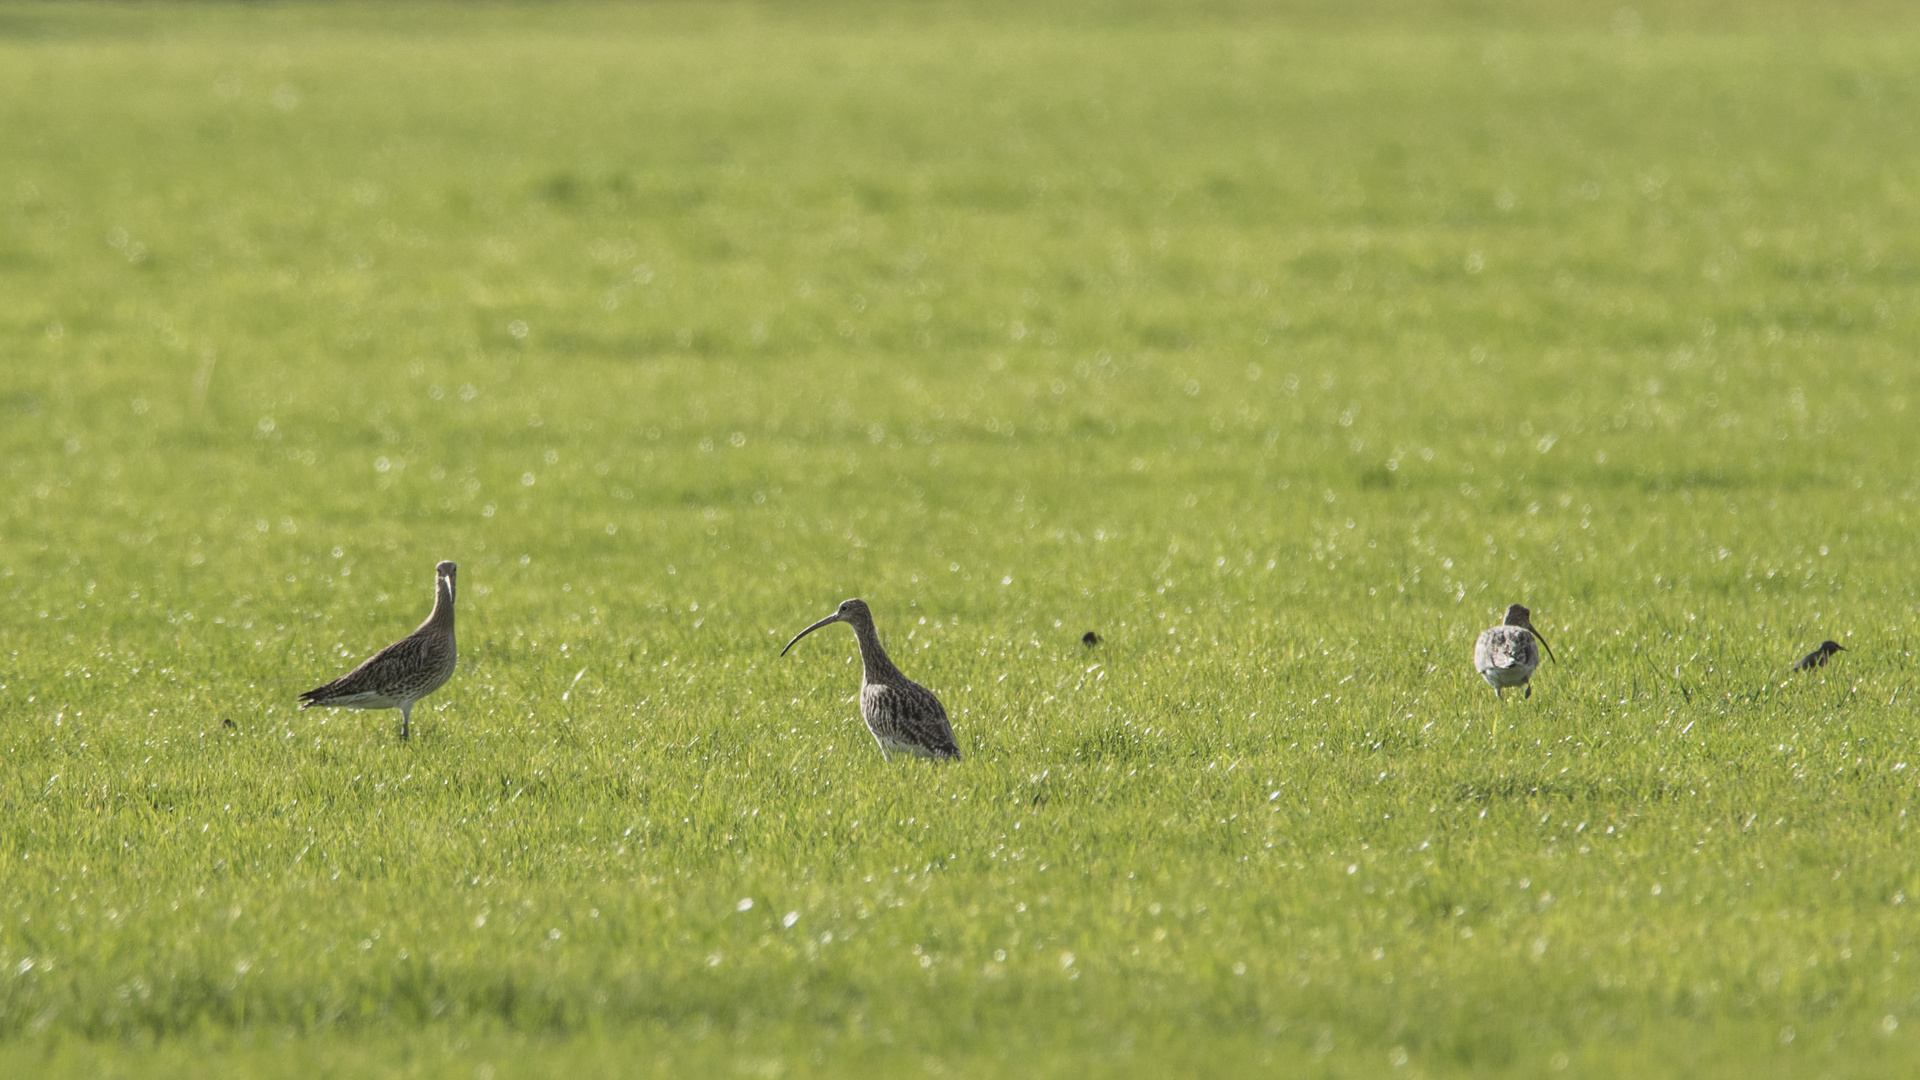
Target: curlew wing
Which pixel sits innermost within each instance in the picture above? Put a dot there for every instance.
(1484, 649)
(377, 676)
(906, 716)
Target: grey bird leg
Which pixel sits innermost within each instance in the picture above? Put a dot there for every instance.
(406, 715)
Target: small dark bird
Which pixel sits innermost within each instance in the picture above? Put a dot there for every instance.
(227, 722)
(1819, 656)
(1089, 639)
(901, 714)
(405, 671)
(1506, 655)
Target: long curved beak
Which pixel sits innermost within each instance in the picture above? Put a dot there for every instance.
(833, 618)
(1543, 643)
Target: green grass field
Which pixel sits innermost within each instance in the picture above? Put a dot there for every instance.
(1282, 344)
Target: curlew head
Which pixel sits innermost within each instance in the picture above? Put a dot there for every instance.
(849, 611)
(445, 573)
(1518, 615)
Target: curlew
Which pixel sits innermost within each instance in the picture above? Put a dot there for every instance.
(405, 671)
(1819, 656)
(901, 714)
(1506, 654)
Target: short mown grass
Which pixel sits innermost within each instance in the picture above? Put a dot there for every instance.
(1282, 346)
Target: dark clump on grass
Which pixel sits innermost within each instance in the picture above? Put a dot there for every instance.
(564, 188)
(614, 192)
(1111, 744)
(878, 197)
(1607, 791)
(1376, 478)
(1159, 336)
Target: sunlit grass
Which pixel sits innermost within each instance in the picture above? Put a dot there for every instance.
(1283, 348)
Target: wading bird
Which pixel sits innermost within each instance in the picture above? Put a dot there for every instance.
(403, 672)
(902, 714)
(1506, 654)
(1819, 656)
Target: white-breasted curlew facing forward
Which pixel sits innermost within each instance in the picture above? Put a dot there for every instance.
(1506, 655)
(902, 714)
(405, 671)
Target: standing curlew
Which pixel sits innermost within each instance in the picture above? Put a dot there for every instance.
(1506, 654)
(902, 714)
(1819, 656)
(405, 671)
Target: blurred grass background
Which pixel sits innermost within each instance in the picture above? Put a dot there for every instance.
(1283, 344)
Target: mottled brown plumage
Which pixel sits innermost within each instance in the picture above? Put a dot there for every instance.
(901, 714)
(405, 671)
(1506, 655)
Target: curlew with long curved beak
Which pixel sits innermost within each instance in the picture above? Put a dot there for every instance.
(1506, 655)
(901, 714)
